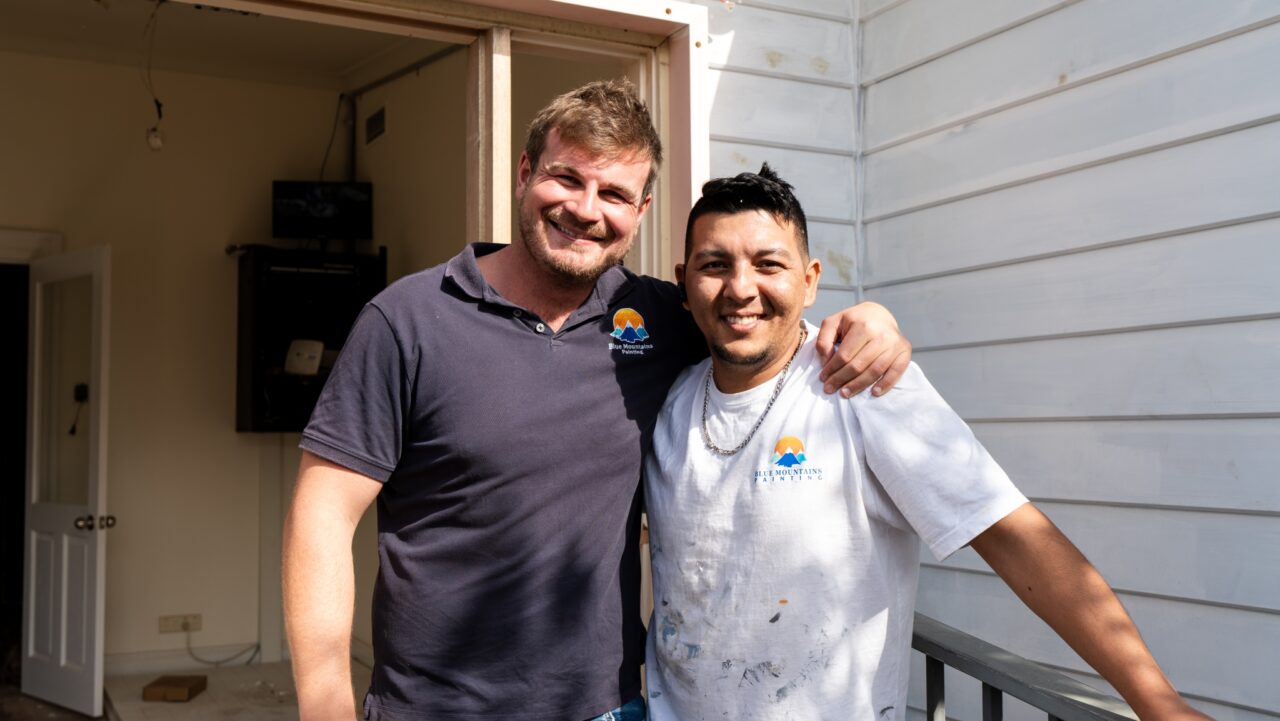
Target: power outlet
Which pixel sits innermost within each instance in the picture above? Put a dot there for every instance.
(181, 622)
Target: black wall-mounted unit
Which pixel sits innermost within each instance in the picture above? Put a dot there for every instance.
(288, 295)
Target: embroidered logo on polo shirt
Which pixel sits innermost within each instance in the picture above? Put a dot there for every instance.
(788, 463)
(628, 327)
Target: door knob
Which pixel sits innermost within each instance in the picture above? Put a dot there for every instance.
(105, 522)
(84, 523)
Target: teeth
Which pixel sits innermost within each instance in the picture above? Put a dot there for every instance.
(576, 235)
(742, 318)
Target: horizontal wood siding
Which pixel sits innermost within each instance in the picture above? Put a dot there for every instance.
(1148, 196)
(1224, 464)
(1073, 208)
(1079, 42)
(748, 38)
(1130, 547)
(910, 33)
(1229, 272)
(824, 181)
(784, 84)
(1165, 102)
(1212, 370)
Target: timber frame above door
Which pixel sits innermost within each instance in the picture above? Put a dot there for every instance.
(665, 39)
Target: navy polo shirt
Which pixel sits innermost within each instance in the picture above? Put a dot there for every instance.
(508, 522)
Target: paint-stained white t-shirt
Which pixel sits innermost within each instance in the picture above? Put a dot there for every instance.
(785, 575)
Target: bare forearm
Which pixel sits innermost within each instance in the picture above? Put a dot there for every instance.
(319, 585)
(319, 593)
(1059, 584)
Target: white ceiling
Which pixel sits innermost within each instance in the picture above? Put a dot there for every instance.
(202, 39)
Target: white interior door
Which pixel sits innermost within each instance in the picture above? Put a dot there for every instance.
(66, 481)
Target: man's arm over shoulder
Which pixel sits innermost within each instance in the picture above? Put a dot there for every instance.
(319, 583)
(1059, 584)
(871, 349)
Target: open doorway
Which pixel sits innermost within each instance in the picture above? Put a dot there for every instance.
(13, 450)
(247, 99)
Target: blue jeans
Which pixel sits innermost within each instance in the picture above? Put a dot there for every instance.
(633, 710)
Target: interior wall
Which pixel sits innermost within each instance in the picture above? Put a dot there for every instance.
(418, 164)
(183, 484)
(419, 211)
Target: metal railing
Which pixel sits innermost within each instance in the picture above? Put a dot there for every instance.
(1001, 672)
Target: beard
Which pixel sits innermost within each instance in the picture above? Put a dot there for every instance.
(569, 268)
(754, 359)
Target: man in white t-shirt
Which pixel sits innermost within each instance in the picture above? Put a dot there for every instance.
(784, 523)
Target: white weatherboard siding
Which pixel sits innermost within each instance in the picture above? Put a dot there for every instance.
(783, 83)
(1073, 207)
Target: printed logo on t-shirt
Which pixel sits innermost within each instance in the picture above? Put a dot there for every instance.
(788, 463)
(628, 327)
(788, 452)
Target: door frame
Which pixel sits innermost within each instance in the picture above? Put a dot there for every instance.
(674, 33)
(670, 36)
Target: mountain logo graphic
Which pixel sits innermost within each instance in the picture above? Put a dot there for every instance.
(789, 452)
(628, 326)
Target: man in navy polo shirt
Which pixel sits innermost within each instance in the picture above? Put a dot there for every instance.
(498, 408)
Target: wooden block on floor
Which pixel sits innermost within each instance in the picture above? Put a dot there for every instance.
(174, 688)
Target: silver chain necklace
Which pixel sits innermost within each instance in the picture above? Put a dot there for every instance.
(777, 389)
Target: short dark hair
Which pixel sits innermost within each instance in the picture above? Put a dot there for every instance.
(606, 117)
(750, 191)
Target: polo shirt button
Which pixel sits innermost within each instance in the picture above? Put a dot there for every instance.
(517, 312)
(540, 327)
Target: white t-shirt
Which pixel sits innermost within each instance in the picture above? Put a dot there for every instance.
(785, 575)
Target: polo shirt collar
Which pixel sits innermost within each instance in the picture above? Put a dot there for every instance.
(465, 273)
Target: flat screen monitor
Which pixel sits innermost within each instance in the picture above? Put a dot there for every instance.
(321, 210)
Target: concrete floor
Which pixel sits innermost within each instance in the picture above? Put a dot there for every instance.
(16, 707)
(262, 692)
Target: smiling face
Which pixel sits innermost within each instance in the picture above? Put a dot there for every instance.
(747, 281)
(579, 212)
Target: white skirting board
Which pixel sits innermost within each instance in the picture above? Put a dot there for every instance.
(172, 660)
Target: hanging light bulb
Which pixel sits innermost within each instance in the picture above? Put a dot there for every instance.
(155, 137)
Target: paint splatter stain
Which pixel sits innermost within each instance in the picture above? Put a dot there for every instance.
(820, 65)
(782, 601)
(774, 58)
(726, 664)
(776, 616)
(671, 626)
(692, 650)
(758, 672)
(1062, 79)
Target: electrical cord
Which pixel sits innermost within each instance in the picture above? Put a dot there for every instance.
(337, 113)
(149, 39)
(255, 648)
